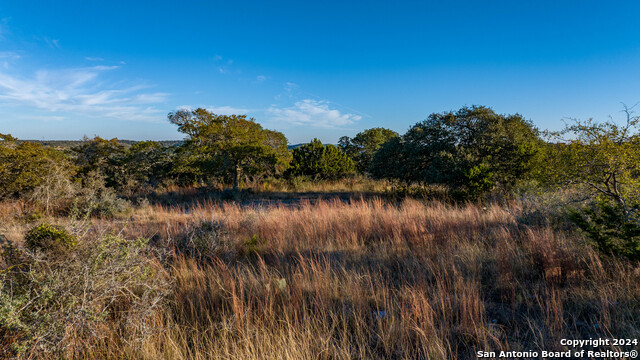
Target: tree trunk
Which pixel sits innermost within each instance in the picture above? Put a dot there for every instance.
(236, 177)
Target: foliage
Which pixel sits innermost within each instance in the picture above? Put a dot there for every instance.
(145, 164)
(605, 157)
(96, 199)
(25, 166)
(363, 147)
(321, 161)
(48, 304)
(49, 238)
(230, 147)
(389, 161)
(58, 189)
(473, 149)
(103, 156)
(610, 230)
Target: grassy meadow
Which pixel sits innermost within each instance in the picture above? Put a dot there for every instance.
(358, 278)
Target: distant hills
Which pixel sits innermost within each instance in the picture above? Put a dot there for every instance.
(72, 143)
(65, 144)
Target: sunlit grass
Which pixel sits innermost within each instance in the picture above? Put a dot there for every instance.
(361, 279)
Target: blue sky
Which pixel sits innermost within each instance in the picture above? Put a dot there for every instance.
(309, 69)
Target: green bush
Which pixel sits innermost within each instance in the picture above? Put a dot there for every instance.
(611, 232)
(472, 151)
(96, 199)
(47, 237)
(56, 303)
(26, 166)
(320, 161)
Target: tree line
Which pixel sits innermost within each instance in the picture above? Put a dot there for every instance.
(471, 152)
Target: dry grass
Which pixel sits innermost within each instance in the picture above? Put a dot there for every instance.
(363, 279)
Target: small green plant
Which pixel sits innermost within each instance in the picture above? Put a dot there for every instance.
(47, 237)
(610, 230)
(33, 216)
(251, 245)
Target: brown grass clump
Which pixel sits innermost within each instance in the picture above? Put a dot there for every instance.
(362, 279)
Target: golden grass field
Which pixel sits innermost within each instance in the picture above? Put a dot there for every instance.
(359, 279)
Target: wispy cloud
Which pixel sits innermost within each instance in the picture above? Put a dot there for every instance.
(220, 110)
(80, 91)
(312, 113)
(4, 28)
(228, 110)
(53, 43)
(224, 65)
(9, 55)
(90, 58)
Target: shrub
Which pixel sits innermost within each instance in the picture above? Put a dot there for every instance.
(610, 230)
(202, 240)
(320, 161)
(27, 166)
(50, 306)
(47, 237)
(95, 199)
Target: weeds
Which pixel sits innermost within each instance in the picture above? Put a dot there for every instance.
(327, 280)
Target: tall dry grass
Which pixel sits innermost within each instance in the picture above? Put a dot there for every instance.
(366, 279)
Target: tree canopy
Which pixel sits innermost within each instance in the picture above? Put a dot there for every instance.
(473, 149)
(319, 160)
(363, 147)
(603, 156)
(230, 147)
(26, 165)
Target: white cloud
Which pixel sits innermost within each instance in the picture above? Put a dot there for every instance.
(80, 91)
(312, 113)
(261, 78)
(44, 118)
(89, 58)
(219, 110)
(228, 110)
(53, 43)
(9, 55)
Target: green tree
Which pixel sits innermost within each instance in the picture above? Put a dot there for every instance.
(603, 161)
(605, 157)
(318, 160)
(147, 164)
(389, 162)
(363, 147)
(104, 156)
(472, 149)
(230, 147)
(24, 166)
